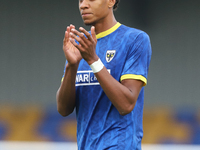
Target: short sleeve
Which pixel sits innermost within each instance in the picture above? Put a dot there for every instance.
(138, 59)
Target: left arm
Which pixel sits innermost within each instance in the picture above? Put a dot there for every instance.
(122, 95)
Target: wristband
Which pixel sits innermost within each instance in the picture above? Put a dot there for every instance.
(97, 66)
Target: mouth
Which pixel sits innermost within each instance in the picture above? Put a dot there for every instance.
(85, 14)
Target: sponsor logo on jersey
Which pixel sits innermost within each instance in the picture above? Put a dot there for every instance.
(110, 55)
(87, 77)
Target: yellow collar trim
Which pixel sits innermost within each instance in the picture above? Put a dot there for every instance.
(107, 32)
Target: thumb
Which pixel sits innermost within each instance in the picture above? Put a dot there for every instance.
(93, 34)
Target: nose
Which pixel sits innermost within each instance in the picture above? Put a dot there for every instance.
(83, 4)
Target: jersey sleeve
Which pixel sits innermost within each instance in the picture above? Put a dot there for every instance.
(138, 59)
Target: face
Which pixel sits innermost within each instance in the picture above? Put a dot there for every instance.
(94, 11)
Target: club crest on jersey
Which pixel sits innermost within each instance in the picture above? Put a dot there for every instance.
(110, 55)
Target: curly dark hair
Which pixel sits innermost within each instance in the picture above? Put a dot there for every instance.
(116, 5)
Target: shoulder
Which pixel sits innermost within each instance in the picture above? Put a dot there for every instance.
(133, 33)
(133, 37)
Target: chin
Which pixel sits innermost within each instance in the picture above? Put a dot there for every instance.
(88, 23)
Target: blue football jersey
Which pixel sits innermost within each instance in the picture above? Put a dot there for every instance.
(126, 53)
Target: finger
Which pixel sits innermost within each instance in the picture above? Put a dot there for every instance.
(79, 37)
(72, 27)
(86, 33)
(77, 33)
(73, 41)
(93, 34)
(68, 29)
(78, 46)
(66, 38)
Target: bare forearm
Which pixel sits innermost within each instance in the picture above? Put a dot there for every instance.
(121, 96)
(66, 93)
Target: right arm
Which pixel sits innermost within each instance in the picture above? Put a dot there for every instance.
(66, 94)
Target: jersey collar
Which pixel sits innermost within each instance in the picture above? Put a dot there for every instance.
(109, 31)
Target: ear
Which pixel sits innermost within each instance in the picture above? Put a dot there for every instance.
(111, 3)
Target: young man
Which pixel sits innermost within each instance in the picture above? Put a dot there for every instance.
(104, 78)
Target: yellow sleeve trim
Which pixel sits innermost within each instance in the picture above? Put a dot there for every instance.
(62, 79)
(107, 32)
(133, 76)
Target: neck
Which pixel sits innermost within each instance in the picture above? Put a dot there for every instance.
(105, 24)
